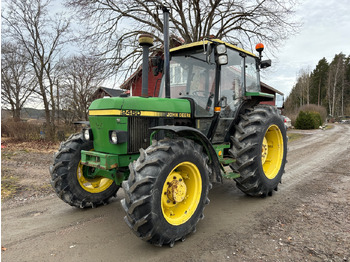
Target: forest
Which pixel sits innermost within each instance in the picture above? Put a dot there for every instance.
(327, 86)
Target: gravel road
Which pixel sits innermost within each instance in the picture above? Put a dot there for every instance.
(308, 219)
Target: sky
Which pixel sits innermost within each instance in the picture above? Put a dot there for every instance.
(325, 32)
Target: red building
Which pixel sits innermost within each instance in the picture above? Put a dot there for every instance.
(265, 88)
(134, 83)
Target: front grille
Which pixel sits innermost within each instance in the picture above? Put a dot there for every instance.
(139, 130)
(139, 133)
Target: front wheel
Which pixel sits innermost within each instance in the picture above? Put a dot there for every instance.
(259, 146)
(70, 178)
(166, 191)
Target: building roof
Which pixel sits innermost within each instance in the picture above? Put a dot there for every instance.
(110, 91)
(132, 78)
(271, 88)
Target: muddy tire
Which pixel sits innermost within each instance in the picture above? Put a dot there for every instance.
(259, 146)
(167, 191)
(69, 182)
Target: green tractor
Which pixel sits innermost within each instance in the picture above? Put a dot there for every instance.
(207, 124)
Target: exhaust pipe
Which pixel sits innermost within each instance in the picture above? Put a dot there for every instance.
(166, 51)
(146, 41)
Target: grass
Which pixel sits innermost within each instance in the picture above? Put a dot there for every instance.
(294, 136)
(9, 184)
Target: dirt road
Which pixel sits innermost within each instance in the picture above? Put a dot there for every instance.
(308, 219)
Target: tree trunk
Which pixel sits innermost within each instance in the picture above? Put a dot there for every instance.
(342, 95)
(319, 92)
(16, 114)
(335, 85)
(329, 94)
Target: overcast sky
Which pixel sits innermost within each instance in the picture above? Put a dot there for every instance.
(324, 33)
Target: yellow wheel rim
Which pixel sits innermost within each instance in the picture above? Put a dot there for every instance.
(92, 185)
(181, 193)
(272, 151)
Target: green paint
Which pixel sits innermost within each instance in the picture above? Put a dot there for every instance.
(259, 94)
(227, 161)
(142, 104)
(125, 160)
(103, 173)
(231, 175)
(106, 161)
(106, 165)
(221, 147)
(101, 125)
(99, 160)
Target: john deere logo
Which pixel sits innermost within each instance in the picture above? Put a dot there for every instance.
(98, 125)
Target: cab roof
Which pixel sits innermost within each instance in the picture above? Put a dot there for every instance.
(201, 43)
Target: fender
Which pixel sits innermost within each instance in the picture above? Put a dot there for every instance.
(201, 139)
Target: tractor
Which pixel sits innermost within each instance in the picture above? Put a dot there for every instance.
(206, 124)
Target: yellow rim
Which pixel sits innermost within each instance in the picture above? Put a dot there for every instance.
(181, 193)
(92, 185)
(272, 151)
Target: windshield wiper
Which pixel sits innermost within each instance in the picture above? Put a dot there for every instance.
(196, 58)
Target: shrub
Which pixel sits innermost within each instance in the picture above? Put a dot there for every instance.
(316, 109)
(308, 120)
(22, 131)
(317, 119)
(304, 121)
(293, 113)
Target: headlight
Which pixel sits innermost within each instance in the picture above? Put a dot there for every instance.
(114, 137)
(87, 133)
(118, 136)
(221, 49)
(222, 60)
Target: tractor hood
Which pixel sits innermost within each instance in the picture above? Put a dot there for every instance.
(141, 106)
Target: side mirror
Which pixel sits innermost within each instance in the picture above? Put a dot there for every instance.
(265, 64)
(207, 51)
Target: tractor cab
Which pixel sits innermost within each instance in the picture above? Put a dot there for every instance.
(216, 77)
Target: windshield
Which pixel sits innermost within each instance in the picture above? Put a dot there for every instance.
(251, 71)
(232, 81)
(191, 76)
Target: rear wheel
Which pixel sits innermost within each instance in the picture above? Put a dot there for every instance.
(259, 146)
(166, 191)
(71, 180)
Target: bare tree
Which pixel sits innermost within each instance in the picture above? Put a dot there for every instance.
(81, 75)
(304, 80)
(335, 77)
(116, 24)
(28, 23)
(17, 82)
